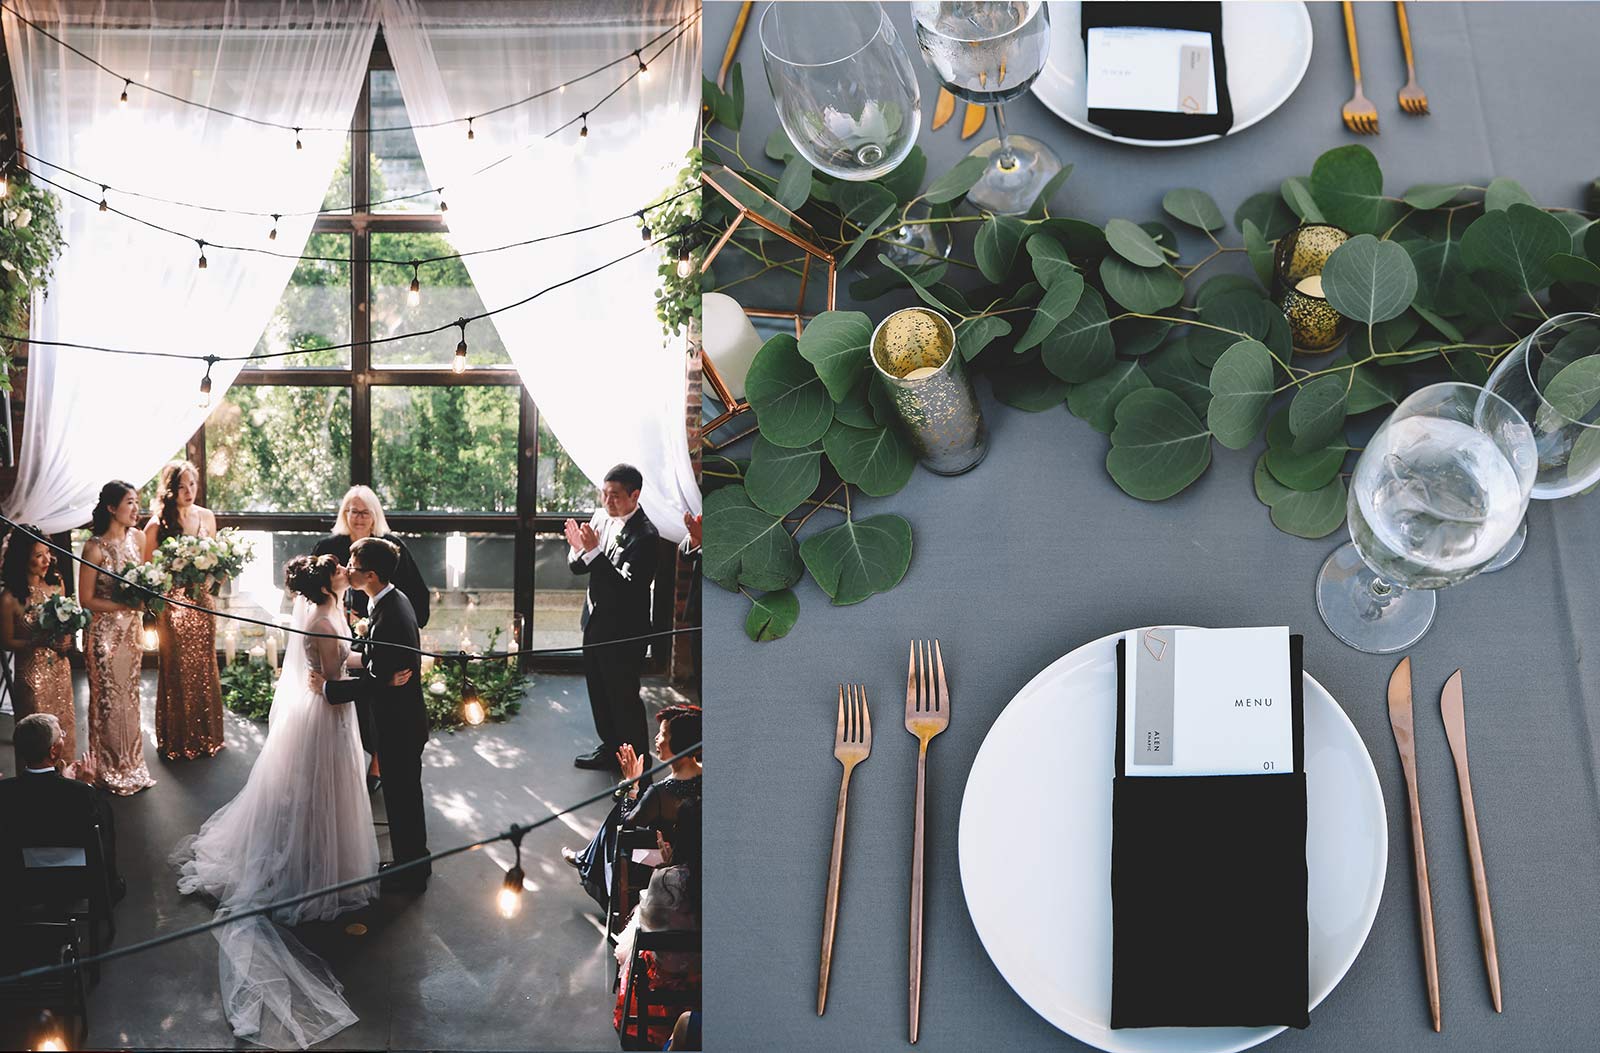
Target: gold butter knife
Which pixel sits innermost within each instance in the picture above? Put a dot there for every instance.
(1455, 729)
(1405, 742)
(943, 109)
(973, 120)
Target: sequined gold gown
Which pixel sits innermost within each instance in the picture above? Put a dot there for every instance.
(114, 650)
(44, 678)
(188, 695)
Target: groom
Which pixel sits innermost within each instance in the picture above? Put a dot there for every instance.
(398, 711)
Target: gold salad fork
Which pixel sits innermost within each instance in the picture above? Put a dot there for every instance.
(1360, 116)
(1413, 99)
(927, 714)
(852, 744)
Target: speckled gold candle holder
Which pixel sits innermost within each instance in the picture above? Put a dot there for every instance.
(1297, 273)
(914, 352)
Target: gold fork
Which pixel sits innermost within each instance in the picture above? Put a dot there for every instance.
(852, 744)
(927, 714)
(1413, 99)
(1360, 116)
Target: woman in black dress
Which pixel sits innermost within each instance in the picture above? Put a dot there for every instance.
(361, 516)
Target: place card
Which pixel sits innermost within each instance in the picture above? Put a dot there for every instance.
(1150, 69)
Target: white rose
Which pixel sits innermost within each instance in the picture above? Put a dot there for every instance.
(7, 265)
(205, 561)
(180, 562)
(24, 218)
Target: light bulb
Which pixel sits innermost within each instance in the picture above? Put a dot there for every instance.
(470, 136)
(55, 1043)
(151, 640)
(414, 296)
(684, 265)
(298, 145)
(272, 235)
(205, 392)
(472, 712)
(202, 254)
(124, 100)
(103, 205)
(509, 900)
(459, 363)
(644, 71)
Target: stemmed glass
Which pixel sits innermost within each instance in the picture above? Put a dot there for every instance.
(843, 84)
(1553, 379)
(990, 53)
(1438, 491)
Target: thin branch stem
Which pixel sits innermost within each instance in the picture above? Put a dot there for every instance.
(824, 504)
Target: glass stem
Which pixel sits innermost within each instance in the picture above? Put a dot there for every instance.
(1003, 157)
(1379, 595)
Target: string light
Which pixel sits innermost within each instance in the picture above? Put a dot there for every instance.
(103, 205)
(644, 70)
(151, 639)
(48, 1031)
(644, 231)
(684, 264)
(443, 207)
(414, 297)
(272, 235)
(470, 136)
(125, 85)
(459, 363)
(583, 130)
(509, 900)
(202, 245)
(205, 383)
(298, 145)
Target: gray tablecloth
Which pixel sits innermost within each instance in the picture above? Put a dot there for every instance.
(1037, 551)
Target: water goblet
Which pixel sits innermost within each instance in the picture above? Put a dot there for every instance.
(1438, 491)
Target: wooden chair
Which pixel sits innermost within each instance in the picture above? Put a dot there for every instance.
(34, 943)
(624, 889)
(639, 996)
(68, 882)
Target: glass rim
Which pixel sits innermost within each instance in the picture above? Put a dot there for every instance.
(1526, 344)
(767, 50)
(945, 323)
(1037, 5)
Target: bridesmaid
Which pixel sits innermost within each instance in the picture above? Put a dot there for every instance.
(44, 677)
(189, 693)
(116, 745)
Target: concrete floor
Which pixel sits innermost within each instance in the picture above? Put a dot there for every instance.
(438, 971)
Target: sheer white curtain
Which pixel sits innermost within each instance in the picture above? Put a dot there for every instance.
(590, 354)
(90, 416)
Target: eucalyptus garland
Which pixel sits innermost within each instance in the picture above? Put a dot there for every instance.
(1111, 320)
(678, 297)
(30, 241)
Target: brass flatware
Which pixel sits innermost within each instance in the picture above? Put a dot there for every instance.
(943, 109)
(1360, 116)
(1451, 708)
(927, 714)
(852, 744)
(973, 120)
(1405, 742)
(1413, 99)
(733, 40)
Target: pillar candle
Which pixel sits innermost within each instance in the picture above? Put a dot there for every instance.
(730, 341)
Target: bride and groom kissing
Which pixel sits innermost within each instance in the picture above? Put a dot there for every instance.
(304, 818)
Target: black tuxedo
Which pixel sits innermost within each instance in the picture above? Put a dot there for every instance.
(618, 606)
(400, 719)
(38, 809)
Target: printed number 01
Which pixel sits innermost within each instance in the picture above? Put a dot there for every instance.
(1267, 765)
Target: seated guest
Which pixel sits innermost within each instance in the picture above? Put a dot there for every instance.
(689, 549)
(46, 805)
(670, 903)
(656, 808)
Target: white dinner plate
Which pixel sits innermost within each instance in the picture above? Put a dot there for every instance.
(1049, 931)
(1268, 45)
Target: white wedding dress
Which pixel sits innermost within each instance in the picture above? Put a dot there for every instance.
(302, 821)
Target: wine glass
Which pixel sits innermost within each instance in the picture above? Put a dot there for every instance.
(843, 84)
(1551, 378)
(990, 53)
(1438, 491)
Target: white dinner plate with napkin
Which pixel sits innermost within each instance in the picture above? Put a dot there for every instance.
(1268, 45)
(1048, 929)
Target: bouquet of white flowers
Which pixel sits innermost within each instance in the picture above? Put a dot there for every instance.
(60, 615)
(144, 587)
(201, 564)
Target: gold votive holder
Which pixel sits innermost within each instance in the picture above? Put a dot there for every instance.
(1297, 285)
(914, 352)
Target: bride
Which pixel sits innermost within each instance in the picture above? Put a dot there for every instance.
(302, 821)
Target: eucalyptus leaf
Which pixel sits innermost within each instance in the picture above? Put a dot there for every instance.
(1305, 471)
(918, 285)
(975, 334)
(1239, 315)
(1268, 490)
(1129, 241)
(859, 557)
(1269, 214)
(794, 185)
(956, 182)
(720, 104)
(732, 495)
(1385, 338)
(868, 230)
(1096, 401)
(954, 299)
(1139, 336)
(1433, 195)
(1050, 262)
(875, 285)
(1313, 513)
(791, 403)
(878, 460)
(1174, 369)
(1416, 352)
(855, 409)
(1441, 273)
(1585, 457)
(995, 247)
(1566, 267)
(1260, 253)
(736, 95)
(1241, 388)
(1591, 242)
(1041, 203)
(906, 178)
(1577, 225)
(1194, 207)
(1029, 386)
(780, 478)
(862, 201)
(1468, 368)
(1166, 240)
(778, 147)
(1347, 185)
(1082, 238)
(1445, 327)
(1369, 280)
(1317, 412)
(1158, 446)
(1080, 348)
(1296, 193)
(1058, 304)
(1575, 390)
(1516, 243)
(1503, 193)
(1219, 284)
(835, 343)
(772, 616)
(1369, 387)
(1139, 289)
(746, 546)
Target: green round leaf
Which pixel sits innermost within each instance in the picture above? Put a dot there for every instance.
(1050, 262)
(1158, 446)
(791, 403)
(1317, 412)
(1299, 471)
(975, 334)
(1313, 513)
(906, 179)
(1269, 214)
(835, 342)
(1080, 348)
(780, 478)
(1515, 243)
(746, 546)
(1369, 387)
(1268, 490)
(1441, 273)
(731, 495)
(1241, 387)
(859, 557)
(1369, 280)
(1041, 203)
(956, 182)
(1175, 369)
(1503, 193)
(1296, 193)
(1081, 237)
(855, 409)
(1029, 386)
(1347, 185)
(1096, 401)
(794, 185)
(1193, 207)
(877, 460)
(1056, 307)
(1129, 241)
(1433, 195)
(772, 616)
(1565, 267)
(996, 245)
(1240, 315)
(1139, 336)
(1220, 284)
(1141, 289)
(1575, 390)
(1259, 252)
(1165, 239)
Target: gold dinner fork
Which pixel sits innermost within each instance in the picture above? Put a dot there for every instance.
(852, 744)
(927, 714)
(1413, 99)
(1360, 116)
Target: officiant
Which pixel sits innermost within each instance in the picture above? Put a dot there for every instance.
(361, 516)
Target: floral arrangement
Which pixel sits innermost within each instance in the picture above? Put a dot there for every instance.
(30, 241)
(60, 615)
(199, 565)
(247, 688)
(498, 684)
(144, 587)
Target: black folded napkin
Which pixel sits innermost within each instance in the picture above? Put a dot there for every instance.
(1208, 891)
(1149, 124)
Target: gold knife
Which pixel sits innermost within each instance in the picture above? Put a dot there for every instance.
(1455, 729)
(943, 109)
(973, 120)
(1405, 742)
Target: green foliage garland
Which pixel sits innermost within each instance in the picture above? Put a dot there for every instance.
(247, 688)
(678, 298)
(1439, 282)
(499, 687)
(30, 241)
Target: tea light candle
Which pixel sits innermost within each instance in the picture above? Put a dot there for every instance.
(272, 650)
(1310, 286)
(427, 664)
(729, 340)
(921, 372)
(257, 652)
(230, 644)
